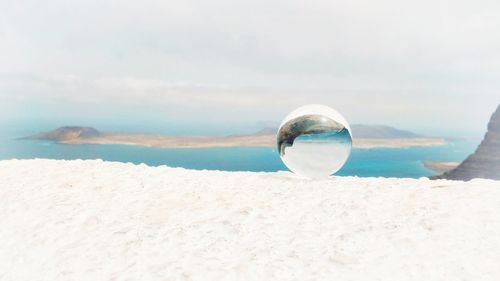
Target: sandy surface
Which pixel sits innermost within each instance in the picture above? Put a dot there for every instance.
(233, 141)
(397, 143)
(94, 220)
(441, 166)
(176, 141)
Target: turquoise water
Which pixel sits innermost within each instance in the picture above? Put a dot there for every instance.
(385, 162)
(341, 136)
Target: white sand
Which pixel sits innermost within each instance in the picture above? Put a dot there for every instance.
(94, 220)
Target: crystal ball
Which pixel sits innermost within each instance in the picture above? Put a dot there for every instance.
(314, 141)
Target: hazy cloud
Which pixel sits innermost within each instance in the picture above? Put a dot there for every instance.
(397, 62)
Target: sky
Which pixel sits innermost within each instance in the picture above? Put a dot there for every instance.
(428, 66)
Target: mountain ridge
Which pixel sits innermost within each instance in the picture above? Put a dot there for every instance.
(266, 137)
(358, 130)
(361, 131)
(66, 133)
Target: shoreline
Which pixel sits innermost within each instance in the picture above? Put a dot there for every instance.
(440, 166)
(161, 141)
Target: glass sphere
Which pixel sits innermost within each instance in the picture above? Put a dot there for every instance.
(314, 141)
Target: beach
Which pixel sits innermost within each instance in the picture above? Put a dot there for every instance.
(163, 141)
(441, 166)
(97, 220)
(368, 143)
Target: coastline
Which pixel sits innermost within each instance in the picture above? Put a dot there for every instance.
(367, 143)
(440, 166)
(162, 141)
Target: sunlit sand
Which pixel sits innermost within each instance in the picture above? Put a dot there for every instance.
(95, 220)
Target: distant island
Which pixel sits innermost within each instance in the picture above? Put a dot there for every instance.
(364, 136)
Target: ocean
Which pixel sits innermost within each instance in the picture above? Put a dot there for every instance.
(377, 162)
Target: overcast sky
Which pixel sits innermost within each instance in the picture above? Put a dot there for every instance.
(423, 65)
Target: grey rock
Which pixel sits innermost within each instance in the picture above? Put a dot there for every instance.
(67, 133)
(485, 161)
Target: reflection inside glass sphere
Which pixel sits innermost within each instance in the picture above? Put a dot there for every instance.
(314, 141)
